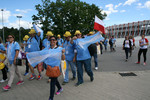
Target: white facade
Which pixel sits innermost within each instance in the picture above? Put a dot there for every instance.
(134, 28)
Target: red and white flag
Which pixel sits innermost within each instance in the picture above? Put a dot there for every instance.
(99, 25)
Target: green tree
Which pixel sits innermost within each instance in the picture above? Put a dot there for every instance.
(67, 15)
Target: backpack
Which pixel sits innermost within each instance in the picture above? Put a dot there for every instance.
(40, 45)
(92, 49)
(110, 42)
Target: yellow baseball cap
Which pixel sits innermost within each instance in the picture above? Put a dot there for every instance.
(49, 33)
(58, 35)
(67, 34)
(91, 33)
(26, 37)
(77, 32)
(2, 65)
(32, 31)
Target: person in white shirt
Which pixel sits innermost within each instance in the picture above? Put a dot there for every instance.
(143, 43)
(126, 46)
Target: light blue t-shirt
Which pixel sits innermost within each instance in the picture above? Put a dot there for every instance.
(33, 44)
(69, 50)
(60, 41)
(11, 51)
(105, 42)
(46, 43)
(113, 40)
(26, 47)
(82, 44)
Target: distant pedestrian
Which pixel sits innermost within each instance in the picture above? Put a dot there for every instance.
(26, 37)
(60, 40)
(143, 43)
(132, 45)
(127, 46)
(114, 43)
(105, 43)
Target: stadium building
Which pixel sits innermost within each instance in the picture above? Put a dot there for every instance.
(134, 28)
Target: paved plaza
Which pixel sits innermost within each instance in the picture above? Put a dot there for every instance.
(107, 84)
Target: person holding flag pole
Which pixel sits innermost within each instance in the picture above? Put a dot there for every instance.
(83, 56)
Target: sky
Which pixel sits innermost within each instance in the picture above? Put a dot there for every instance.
(118, 11)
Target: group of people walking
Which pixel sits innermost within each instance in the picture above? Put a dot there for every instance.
(129, 44)
(76, 51)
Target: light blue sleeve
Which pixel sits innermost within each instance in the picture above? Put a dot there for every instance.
(17, 46)
(85, 42)
(2, 47)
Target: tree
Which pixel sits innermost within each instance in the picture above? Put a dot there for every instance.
(67, 15)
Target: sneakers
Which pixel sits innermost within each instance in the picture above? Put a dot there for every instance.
(73, 78)
(2, 81)
(96, 68)
(144, 63)
(137, 62)
(77, 84)
(126, 60)
(39, 77)
(92, 78)
(64, 83)
(32, 77)
(26, 74)
(6, 88)
(58, 92)
(20, 83)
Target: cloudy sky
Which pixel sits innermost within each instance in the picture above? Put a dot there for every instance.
(118, 11)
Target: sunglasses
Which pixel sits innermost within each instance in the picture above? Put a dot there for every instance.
(52, 39)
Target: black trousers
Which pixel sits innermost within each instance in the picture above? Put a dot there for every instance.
(54, 81)
(144, 51)
(127, 52)
(4, 72)
(27, 66)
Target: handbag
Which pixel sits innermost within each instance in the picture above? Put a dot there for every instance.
(19, 62)
(53, 72)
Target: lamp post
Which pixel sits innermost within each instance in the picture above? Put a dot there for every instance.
(19, 28)
(3, 26)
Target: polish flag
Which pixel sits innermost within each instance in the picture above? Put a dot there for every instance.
(99, 25)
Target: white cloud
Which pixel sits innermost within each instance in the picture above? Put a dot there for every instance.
(110, 9)
(129, 2)
(116, 6)
(6, 15)
(147, 4)
(123, 11)
(23, 23)
(23, 11)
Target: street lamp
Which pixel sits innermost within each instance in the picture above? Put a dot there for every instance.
(19, 28)
(3, 26)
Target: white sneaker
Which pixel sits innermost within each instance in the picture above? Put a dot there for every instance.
(96, 68)
(2, 81)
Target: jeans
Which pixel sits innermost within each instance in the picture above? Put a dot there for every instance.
(54, 81)
(4, 72)
(105, 47)
(144, 51)
(87, 66)
(127, 52)
(95, 60)
(73, 69)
